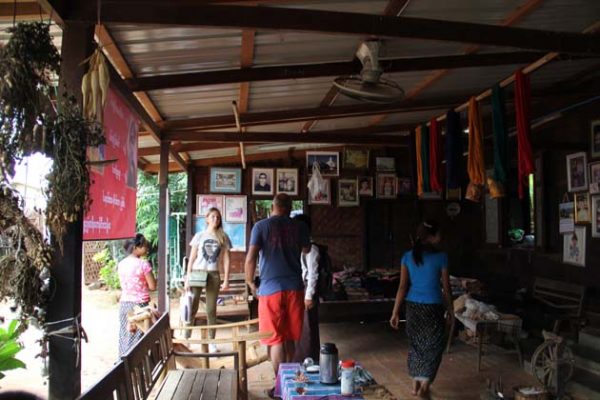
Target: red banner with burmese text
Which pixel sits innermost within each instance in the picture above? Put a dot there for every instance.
(113, 191)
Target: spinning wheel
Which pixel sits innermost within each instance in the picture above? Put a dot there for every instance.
(552, 363)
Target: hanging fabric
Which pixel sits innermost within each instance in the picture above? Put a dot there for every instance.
(418, 161)
(425, 158)
(522, 104)
(475, 162)
(435, 156)
(453, 150)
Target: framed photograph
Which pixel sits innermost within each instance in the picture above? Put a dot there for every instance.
(595, 140)
(237, 235)
(595, 177)
(356, 158)
(199, 223)
(582, 207)
(287, 181)
(205, 202)
(347, 192)
(322, 196)
(454, 194)
(236, 209)
(595, 216)
(262, 181)
(577, 172)
(365, 185)
(225, 180)
(386, 186)
(405, 186)
(574, 247)
(385, 163)
(566, 217)
(329, 162)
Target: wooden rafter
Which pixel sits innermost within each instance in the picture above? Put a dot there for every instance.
(25, 10)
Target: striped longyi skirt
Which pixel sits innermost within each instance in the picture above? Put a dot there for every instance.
(126, 338)
(425, 328)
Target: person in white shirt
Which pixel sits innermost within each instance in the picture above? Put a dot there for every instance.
(309, 343)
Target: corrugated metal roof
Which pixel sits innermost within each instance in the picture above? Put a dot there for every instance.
(563, 15)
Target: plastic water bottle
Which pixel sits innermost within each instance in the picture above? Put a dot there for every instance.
(347, 381)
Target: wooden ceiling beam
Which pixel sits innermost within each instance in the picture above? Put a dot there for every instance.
(180, 147)
(246, 74)
(277, 18)
(298, 115)
(25, 10)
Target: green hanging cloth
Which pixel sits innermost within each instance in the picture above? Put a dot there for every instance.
(500, 135)
(425, 157)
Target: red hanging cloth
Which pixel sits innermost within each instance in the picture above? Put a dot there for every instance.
(522, 108)
(435, 154)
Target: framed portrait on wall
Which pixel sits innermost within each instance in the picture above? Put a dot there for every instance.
(322, 196)
(287, 181)
(386, 186)
(383, 164)
(582, 207)
(595, 177)
(355, 158)
(577, 178)
(574, 246)
(595, 139)
(347, 192)
(225, 180)
(328, 161)
(405, 185)
(596, 216)
(262, 181)
(205, 202)
(237, 235)
(566, 217)
(365, 185)
(236, 209)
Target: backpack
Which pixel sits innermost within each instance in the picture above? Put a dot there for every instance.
(325, 279)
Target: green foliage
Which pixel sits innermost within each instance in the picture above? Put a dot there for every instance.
(108, 272)
(9, 347)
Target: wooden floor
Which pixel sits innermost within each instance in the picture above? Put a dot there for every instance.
(383, 352)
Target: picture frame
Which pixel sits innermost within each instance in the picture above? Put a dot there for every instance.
(205, 202)
(577, 179)
(595, 139)
(347, 192)
(386, 186)
(404, 185)
(566, 217)
(225, 180)
(594, 177)
(356, 158)
(582, 208)
(262, 181)
(328, 161)
(287, 181)
(596, 216)
(454, 194)
(384, 164)
(237, 235)
(365, 186)
(236, 209)
(199, 223)
(574, 246)
(323, 196)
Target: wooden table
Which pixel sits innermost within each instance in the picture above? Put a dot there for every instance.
(206, 384)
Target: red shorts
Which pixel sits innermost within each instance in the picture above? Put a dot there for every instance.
(281, 313)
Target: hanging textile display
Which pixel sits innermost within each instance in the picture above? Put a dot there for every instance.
(497, 182)
(418, 161)
(475, 162)
(453, 150)
(435, 156)
(522, 104)
(425, 158)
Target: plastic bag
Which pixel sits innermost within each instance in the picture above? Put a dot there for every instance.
(185, 307)
(316, 183)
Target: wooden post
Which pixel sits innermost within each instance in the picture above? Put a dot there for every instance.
(189, 208)
(65, 356)
(163, 226)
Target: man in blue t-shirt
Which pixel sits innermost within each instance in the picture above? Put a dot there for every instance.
(280, 241)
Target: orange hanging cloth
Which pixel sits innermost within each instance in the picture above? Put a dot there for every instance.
(435, 155)
(419, 165)
(476, 162)
(522, 101)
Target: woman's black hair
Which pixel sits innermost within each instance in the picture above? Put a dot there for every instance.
(303, 218)
(425, 230)
(138, 241)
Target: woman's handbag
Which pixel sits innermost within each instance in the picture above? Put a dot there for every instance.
(198, 278)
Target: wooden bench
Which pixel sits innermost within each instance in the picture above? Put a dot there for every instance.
(564, 300)
(237, 299)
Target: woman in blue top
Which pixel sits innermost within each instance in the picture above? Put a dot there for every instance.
(422, 269)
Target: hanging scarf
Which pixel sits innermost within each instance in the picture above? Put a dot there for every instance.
(522, 104)
(435, 156)
(500, 135)
(453, 149)
(476, 162)
(418, 158)
(425, 157)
